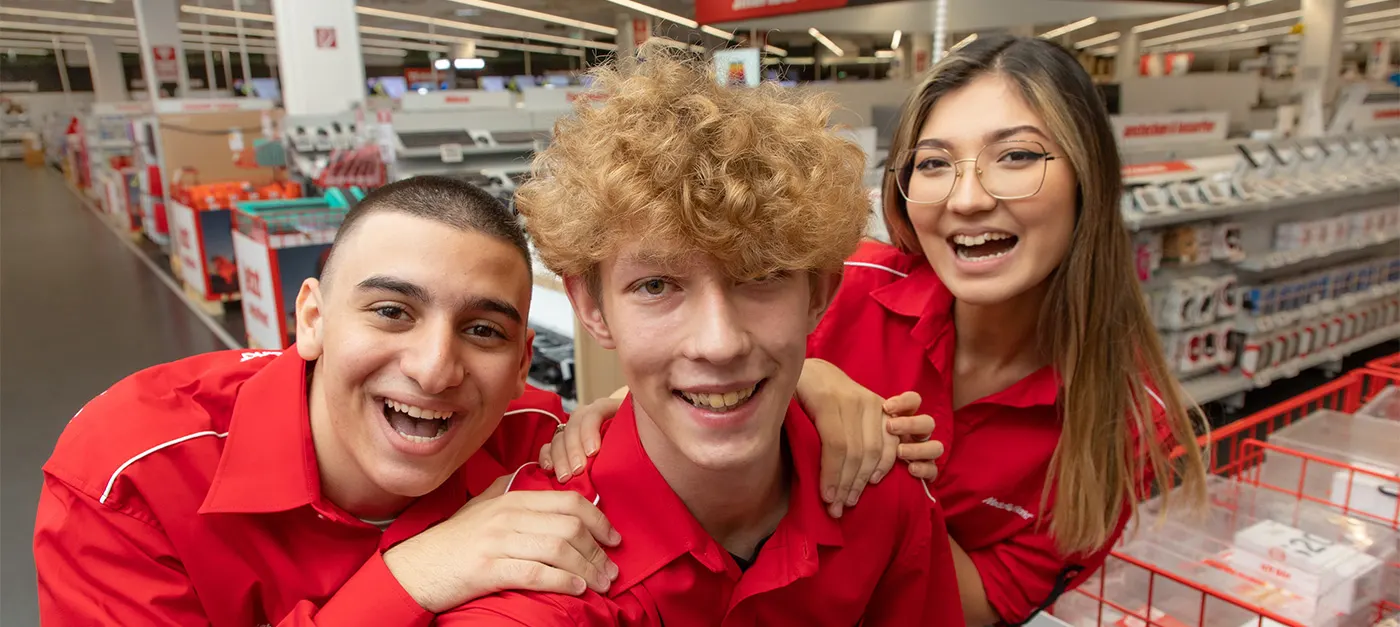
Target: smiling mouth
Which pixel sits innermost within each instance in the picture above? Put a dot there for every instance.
(417, 424)
(984, 246)
(720, 402)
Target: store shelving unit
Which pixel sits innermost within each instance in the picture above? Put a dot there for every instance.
(1215, 387)
(14, 129)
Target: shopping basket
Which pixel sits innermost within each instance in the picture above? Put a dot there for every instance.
(1237, 452)
(1386, 364)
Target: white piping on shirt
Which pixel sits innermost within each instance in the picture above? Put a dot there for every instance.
(515, 474)
(536, 411)
(112, 481)
(862, 264)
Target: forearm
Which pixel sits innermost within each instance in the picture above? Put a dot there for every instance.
(976, 609)
(372, 596)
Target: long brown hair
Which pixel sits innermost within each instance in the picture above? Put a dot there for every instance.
(1094, 321)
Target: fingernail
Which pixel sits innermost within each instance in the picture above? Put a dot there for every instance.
(851, 500)
(604, 585)
(592, 448)
(614, 539)
(611, 569)
(578, 466)
(579, 585)
(875, 478)
(836, 510)
(545, 465)
(829, 495)
(565, 476)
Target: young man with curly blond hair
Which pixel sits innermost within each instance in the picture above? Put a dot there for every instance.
(700, 232)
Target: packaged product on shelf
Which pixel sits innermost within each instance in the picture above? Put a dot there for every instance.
(1225, 242)
(1147, 254)
(1150, 199)
(1227, 303)
(1207, 295)
(1183, 246)
(1178, 305)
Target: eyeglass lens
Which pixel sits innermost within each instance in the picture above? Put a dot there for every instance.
(1007, 170)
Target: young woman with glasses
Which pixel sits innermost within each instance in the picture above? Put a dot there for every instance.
(1009, 297)
(1008, 301)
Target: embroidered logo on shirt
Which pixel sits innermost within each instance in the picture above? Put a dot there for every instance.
(257, 354)
(1015, 509)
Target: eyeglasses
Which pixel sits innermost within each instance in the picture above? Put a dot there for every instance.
(1007, 170)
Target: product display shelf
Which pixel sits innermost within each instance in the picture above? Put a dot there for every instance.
(1214, 387)
(14, 130)
(1182, 570)
(1138, 221)
(1287, 260)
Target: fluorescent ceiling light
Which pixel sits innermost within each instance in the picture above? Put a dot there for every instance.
(830, 45)
(775, 50)
(44, 37)
(671, 43)
(30, 52)
(64, 28)
(442, 64)
(1252, 3)
(722, 34)
(1094, 41)
(789, 61)
(1372, 16)
(544, 17)
(480, 43)
(1223, 28)
(1371, 28)
(1179, 19)
(1106, 51)
(63, 15)
(1216, 41)
(854, 61)
(885, 54)
(1069, 28)
(894, 41)
(1352, 4)
(965, 41)
(469, 64)
(233, 15)
(487, 30)
(231, 30)
(654, 12)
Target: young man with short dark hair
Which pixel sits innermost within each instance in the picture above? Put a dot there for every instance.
(328, 484)
(700, 231)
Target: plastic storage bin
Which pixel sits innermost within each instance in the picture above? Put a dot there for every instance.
(1385, 405)
(1367, 449)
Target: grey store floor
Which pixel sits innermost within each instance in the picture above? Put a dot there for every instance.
(78, 311)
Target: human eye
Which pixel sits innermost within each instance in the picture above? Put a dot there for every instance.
(485, 331)
(653, 287)
(1020, 156)
(392, 313)
(932, 163)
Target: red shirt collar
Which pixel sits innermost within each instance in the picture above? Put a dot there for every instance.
(923, 296)
(269, 460)
(656, 526)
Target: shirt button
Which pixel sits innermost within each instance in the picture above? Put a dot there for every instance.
(321, 516)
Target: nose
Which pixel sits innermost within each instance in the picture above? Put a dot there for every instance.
(716, 333)
(968, 195)
(434, 359)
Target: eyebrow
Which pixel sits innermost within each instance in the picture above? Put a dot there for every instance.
(994, 136)
(416, 292)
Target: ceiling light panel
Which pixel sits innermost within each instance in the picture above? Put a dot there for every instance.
(233, 15)
(959, 46)
(722, 34)
(655, 12)
(486, 30)
(1094, 41)
(63, 15)
(894, 41)
(231, 30)
(1223, 28)
(830, 45)
(1069, 28)
(64, 28)
(1370, 17)
(1215, 41)
(544, 17)
(1179, 19)
(1371, 28)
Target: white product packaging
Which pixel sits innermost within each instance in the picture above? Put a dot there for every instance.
(1333, 578)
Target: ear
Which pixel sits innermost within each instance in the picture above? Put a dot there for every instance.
(589, 311)
(310, 316)
(824, 287)
(526, 356)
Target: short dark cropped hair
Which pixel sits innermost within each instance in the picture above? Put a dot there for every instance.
(455, 203)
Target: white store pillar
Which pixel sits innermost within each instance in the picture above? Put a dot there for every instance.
(922, 46)
(632, 32)
(105, 63)
(318, 47)
(1127, 62)
(162, 55)
(1319, 63)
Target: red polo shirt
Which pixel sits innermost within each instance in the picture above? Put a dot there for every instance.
(891, 330)
(886, 562)
(188, 494)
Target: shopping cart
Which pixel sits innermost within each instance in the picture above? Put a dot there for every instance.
(1386, 364)
(1202, 593)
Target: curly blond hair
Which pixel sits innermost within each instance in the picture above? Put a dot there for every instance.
(665, 155)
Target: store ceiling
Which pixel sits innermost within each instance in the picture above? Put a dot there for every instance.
(866, 27)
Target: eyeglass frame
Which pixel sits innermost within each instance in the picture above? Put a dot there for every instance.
(958, 173)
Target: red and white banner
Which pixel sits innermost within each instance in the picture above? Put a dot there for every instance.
(167, 68)
(1136, 131)
(714, 11)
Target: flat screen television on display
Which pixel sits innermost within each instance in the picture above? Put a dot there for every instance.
(391, 86)
(267, 88)
(557, 80)
(525, 81)
(492, 83)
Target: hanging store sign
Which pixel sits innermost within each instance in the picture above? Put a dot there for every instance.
(1136, 131)
(167, 68)
(714, 11)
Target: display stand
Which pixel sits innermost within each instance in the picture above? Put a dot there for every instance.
(279, 244)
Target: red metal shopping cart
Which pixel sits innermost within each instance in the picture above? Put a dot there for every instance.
(1389, 364)
(1210, 592)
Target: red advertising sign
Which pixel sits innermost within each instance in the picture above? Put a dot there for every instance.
(418, 75)
(713, 11)
(167, 68)
(325, 37)
(640, 32)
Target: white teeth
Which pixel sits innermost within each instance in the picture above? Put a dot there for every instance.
(417, 412)
(978, 240)
(962, 254)
(424, 438)
(725, 401)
